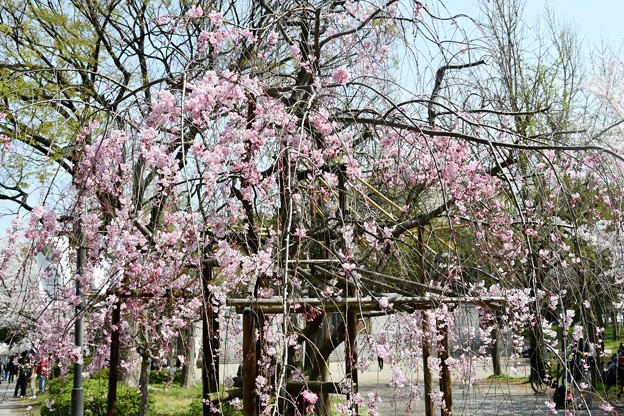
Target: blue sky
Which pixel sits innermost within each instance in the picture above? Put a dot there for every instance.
(596, 20)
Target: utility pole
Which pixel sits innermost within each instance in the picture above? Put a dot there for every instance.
(77, 395)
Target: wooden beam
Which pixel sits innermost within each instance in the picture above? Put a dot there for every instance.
(364, 303)
(222, 396)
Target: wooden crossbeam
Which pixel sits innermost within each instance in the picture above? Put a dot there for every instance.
(276, 304)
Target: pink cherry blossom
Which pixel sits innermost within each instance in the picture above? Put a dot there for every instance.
(341, 75)
(194, 12)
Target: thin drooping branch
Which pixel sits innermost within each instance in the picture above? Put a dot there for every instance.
(473, 139)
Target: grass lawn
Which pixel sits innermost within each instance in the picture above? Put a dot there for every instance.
(173, 400)
(610, 343)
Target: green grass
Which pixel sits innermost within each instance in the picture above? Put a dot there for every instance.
(174, 400)
(507, 377)
(610, 343)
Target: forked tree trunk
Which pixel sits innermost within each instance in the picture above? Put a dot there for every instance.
(322, 342)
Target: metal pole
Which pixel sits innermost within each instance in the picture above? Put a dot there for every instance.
(210, 346)
(77, 395)
(113, 362)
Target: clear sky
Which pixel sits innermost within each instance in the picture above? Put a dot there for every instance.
(596, 20)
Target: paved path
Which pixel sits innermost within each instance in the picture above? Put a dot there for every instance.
(487, 397)
(500, 398)
(484, 398)
(10, 406)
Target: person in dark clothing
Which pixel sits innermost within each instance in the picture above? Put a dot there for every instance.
(24, 373)
(4, 362)
(11, 367)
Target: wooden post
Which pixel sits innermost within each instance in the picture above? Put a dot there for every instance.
(426, 341)
(445, 381)
(250, 363)
(351, 311)
(428, 378)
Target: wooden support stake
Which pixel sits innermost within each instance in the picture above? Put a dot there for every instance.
(364, 303)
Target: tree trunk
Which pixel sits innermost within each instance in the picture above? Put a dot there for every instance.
(593, 338)
(143, 385)
(495, 353)
(188, 347)
(318, 348)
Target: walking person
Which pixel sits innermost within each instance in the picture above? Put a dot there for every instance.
(42, 373)
(32, 381)
(7, 368)
(11, 368)
(24, 374)
(3, 363)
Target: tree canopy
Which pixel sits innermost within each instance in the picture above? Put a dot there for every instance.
(282, 153)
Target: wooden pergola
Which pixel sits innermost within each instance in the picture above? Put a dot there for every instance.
(355, 309)
(321, 265)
